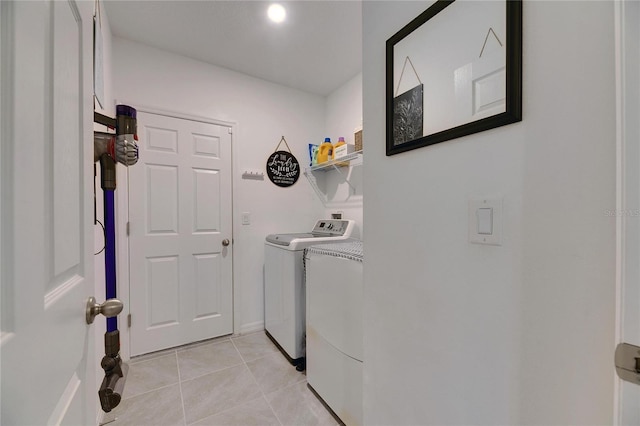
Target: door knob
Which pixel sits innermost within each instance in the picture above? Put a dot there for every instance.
(110, 308)
(225, 242)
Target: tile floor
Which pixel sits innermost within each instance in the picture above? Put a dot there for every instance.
(241, 380)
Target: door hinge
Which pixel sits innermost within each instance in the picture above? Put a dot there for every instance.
(128, 228)
(129, 320)
(230, 130)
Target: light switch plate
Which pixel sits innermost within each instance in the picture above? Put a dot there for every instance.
(246, 218)
(485, 221)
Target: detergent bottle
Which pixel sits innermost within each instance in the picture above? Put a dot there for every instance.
(339, 143)
(340, 152)
(325, 151)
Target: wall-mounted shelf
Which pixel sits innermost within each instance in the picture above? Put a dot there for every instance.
(337, 163)
(349, 160)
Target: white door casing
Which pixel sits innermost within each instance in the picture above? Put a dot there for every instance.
(47, 354)
(180, 205)
(628, 194)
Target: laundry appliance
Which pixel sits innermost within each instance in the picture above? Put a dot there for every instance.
(284, 292)
(335, 346)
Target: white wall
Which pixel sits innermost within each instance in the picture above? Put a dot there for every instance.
(264, 112)
(522, 333)
(343, 115)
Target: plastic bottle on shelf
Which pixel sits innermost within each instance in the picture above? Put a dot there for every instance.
(325, 151)
(339, 143)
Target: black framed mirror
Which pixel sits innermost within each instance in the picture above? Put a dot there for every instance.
(455, 70)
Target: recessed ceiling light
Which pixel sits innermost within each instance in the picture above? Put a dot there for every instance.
(277, 13)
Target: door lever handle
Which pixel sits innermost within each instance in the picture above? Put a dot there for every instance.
(627, 362)
(110, 308)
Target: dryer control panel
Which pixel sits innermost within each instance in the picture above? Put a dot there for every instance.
(330, 227)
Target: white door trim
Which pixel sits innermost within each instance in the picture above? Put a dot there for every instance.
(620, 201)
(122, 217)
(627, 184)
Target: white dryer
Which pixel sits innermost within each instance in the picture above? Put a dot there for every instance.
(334, 327)
(284, 293)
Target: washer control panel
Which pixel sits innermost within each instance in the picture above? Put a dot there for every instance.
(330, 227)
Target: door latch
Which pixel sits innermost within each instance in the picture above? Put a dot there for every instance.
(627, 361)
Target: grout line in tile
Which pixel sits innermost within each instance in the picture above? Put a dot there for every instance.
(243, 361)
(157, 355)
(184, 410)
(239, 353)
(263, 357)
(149, 391)
(226, 368)
(228, 409)
(214, 371)
(254, 378)
(291, 386)
(271, 406)
(264, 395)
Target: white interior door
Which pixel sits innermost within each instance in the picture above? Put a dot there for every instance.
(480, 87)
(47, 349)
(180, 216)
(628, 21)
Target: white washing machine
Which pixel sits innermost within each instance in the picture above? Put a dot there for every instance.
(334, 327)
(284, 293)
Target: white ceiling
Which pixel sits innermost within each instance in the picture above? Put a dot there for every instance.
(317, 49)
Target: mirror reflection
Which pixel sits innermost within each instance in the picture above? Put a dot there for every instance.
(448, 80)
(461, 68)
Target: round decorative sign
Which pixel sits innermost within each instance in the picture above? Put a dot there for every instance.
(283, 169)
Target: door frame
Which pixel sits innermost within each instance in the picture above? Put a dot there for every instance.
(626, 248)
(122, 217)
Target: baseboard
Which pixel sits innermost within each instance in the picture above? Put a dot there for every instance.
(251, 327)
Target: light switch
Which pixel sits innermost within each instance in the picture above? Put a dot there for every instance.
(485, 221)
(246, 218)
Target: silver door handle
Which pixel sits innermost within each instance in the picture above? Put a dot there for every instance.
(225, 242)
(110, 308)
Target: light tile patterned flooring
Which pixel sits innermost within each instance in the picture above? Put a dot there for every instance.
(238, 380)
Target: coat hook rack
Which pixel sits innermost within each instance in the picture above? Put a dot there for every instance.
(253, 175)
